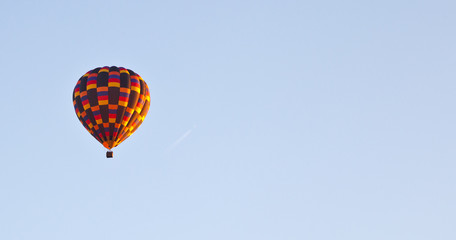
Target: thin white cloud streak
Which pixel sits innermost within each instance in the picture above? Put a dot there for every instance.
(179, 140)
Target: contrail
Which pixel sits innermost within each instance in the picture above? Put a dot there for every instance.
(179, 140)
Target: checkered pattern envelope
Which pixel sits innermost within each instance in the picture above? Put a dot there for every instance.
(111, 103)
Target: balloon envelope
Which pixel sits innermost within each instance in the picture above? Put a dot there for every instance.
(111, 103)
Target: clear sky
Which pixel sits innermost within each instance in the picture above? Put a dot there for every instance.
(269, 120)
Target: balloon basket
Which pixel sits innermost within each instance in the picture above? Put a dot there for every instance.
(109, 154)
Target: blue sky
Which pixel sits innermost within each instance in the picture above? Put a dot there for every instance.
(268, 120)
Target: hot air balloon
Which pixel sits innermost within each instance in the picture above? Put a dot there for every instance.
(111, 103)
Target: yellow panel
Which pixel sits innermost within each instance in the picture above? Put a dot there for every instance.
(113, 84)
(91, 86)
(122, 103)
